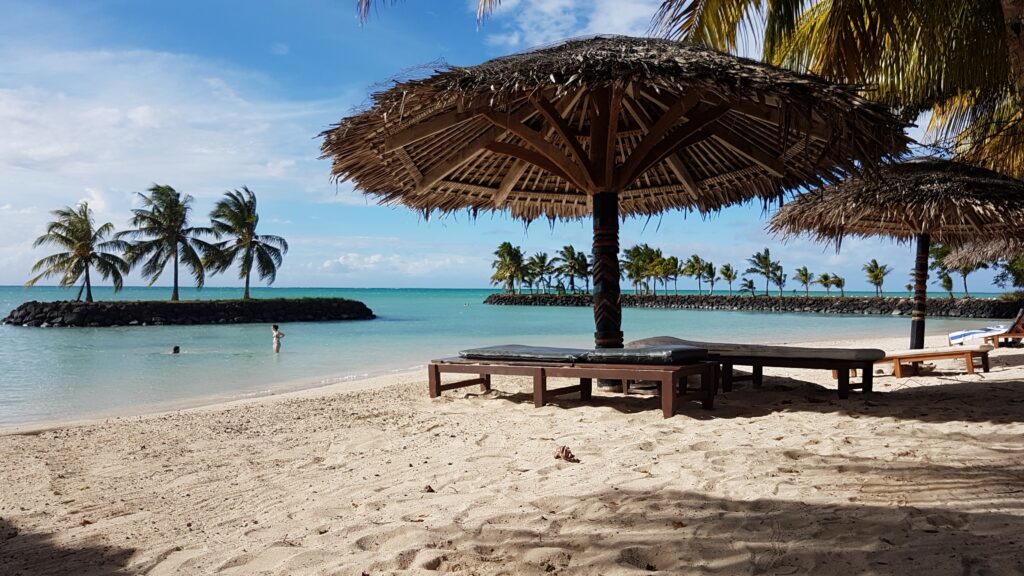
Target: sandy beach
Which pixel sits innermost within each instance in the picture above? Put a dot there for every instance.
(926, 476)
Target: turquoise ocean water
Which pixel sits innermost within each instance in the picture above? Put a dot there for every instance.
(69, 373)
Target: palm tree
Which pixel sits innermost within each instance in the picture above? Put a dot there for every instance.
(804, 277)
(967, 65)
(876, 274)
(779, 278)
(747, 286)
(541, 268)
(826, 282)
(710, 275)
(728, 274)
(162, 225)
(761, 264)
(672, 272)
(583, 265)
(946, 281)
(910, 289)
(235, 216)
(938, 252)
(568, 263)
(694, 268)
(87, 247)
(839, 282)
(508, 267)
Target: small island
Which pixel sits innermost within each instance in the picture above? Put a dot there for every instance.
(155, 313)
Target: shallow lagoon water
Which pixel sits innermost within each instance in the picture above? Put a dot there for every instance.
(69, 373)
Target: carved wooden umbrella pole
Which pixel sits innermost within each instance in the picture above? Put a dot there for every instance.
(607, 127)
(922, 200)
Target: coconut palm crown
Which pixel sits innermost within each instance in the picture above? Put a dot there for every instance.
(164, 236)
(87, 247)
(235, 217)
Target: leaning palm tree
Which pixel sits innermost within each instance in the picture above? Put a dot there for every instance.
(876, 274)
(568, 265)
(87, 248)
(839, 282)
(728, 274)
(694, 268)
(761, 264)
(542, 269)
(508, 267)
(826, 282)
(583, 266)
(748, 287)
(163, 235)
(710, 275)
(235, 216)
(804, 277)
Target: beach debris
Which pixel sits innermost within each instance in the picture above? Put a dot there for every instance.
(429, 489)
(563, 453)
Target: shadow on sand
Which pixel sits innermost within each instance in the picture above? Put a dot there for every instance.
(684, 532)
(25, 553)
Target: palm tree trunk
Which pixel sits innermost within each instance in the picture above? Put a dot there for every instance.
(920, 293)
(1013, 20)
(966, 293)
(245, 294)
(767, 281)
(88, 286)
(174, 290)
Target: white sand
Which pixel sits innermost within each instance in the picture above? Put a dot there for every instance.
(926, 476)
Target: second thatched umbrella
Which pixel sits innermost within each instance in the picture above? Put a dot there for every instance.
(975, 253)
(608, 127)
(923, 200)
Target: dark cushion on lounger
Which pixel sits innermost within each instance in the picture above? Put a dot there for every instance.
(725, 351)
(513, 352)
(674, 354)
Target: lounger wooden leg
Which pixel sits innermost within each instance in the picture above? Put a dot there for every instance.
(758, 374)
(969, 361)
(897, 369)
(434, 380)
(540, 387)
(485, 386)
(984, 361)
(586, 388)
(668, 395)
(726, 377)
(708, 383)
(844, 384)
(868, 377)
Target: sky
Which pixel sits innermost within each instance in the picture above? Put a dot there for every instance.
(101, 99)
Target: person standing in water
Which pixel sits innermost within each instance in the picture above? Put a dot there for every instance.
(277, 334)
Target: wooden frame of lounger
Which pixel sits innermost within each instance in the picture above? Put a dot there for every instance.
(669, 377)
(917, 356)
(1014, 332)
(841, 368)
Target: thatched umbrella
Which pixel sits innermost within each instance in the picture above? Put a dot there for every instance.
(970, 255)
(609, 127)
(923, 199)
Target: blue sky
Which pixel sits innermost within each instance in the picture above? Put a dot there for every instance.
(101, 99)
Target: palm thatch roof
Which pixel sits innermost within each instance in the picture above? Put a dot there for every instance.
(690, 128)
(970, 255)
(952, 202)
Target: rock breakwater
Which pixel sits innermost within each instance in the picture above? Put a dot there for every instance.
(960, 307)
(148, 313)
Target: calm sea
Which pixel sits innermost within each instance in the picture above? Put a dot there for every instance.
(68, 373)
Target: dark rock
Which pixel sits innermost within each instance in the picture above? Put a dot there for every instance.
(74, 313)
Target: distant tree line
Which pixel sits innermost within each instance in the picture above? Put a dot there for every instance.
(161, 233)
(646, 268)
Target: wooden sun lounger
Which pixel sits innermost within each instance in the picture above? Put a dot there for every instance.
(914, 357)
(840, 360)
(672, 378)
(1014, 332)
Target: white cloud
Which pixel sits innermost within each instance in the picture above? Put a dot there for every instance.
(397, 264)
(529, 23)
(100, 125)
(279, 49)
